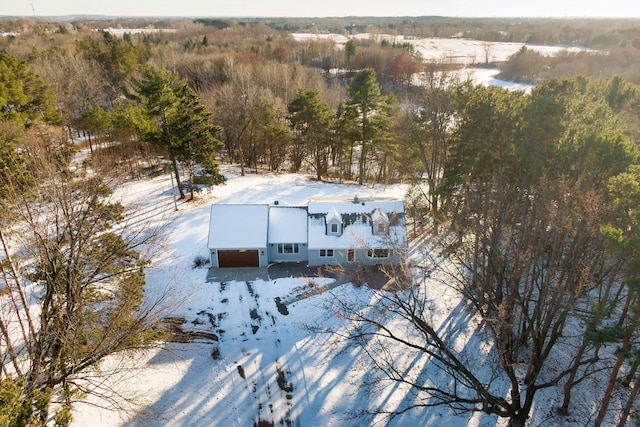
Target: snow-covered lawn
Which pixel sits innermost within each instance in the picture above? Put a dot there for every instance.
(270, 365)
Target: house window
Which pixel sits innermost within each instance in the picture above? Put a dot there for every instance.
(351, 255)
(378, 253)
(334, 228)
(326, 252)
(288, 248)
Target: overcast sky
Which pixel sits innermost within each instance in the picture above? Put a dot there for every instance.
(322, 8)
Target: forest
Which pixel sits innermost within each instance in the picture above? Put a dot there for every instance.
(534, 195)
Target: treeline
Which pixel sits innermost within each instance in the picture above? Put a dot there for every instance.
(530, 66)
(588, 32)
(246, 76)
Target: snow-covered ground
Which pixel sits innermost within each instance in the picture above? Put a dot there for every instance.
(470, 53)
(452, 50)
(119, 32)
(270, 365)
(479, 76)
(486, 77)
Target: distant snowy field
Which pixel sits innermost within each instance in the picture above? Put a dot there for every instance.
(470, 53)
(269, 367)
(456, 50)
(119, 32)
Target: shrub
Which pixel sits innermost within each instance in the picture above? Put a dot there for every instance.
(200, 261)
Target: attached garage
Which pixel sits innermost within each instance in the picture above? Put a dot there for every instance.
(240, 258)
(238, 235)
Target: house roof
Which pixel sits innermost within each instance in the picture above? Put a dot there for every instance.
(238, 226)
(379, 215)
(287, 224)
(356, 218)
(333, 214)
(356, 205)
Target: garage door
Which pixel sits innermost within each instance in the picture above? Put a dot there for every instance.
(243, 258)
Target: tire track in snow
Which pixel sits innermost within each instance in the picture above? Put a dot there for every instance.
(228, 366)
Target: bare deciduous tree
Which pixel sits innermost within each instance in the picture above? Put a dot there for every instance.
(86, 271)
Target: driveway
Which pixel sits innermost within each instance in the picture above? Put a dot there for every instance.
(238, 274)
(274, 271)
(374, 276)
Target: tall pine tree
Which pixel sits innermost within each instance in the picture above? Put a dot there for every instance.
(181, 123)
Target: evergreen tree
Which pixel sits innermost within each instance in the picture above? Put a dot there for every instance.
(427, 136)
(349, 51)
(310, 120)
(181, 123)
(24, 97)
(372, 112)
(193, 134)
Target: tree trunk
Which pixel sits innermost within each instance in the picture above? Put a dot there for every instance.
(350, 161)
(191, 183)
(632, 372)
(568, 385)
(318, 163)
(613, 376)
(518, 421)
(434, 213)
(10, 351)
(606, 398)
(176, 172)
(23, 297)
(363, 152)
(630, 401)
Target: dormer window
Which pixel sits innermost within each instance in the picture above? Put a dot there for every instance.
(334, 223)
(380, 222)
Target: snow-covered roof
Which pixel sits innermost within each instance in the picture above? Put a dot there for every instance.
(342, 207)
(238, 226)
(379, 215)
(287, 224)
(253, 226)
(333, 214)
(357, 231)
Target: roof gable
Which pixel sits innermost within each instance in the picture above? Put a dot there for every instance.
(334, 216)
(378, 215)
